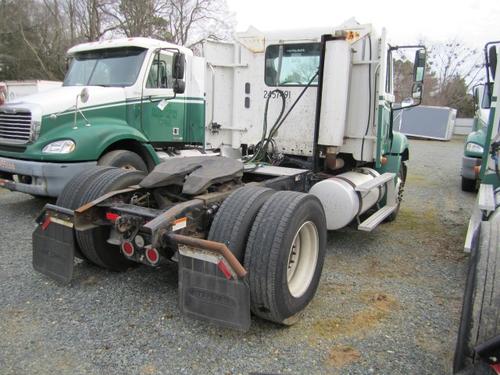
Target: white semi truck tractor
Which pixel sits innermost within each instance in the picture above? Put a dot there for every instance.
(298, 140)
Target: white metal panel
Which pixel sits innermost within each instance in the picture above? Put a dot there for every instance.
(335, 95)
(295, 137)
(195, 78)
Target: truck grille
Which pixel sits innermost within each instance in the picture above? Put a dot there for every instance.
(15, 127)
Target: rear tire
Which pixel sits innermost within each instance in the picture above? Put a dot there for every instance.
(70, 196)
(93, 242)
(233, 221)
(468, 185)
(123, 159)
(288, 232)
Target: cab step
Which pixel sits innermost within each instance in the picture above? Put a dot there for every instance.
(376, 218)
(486, 197)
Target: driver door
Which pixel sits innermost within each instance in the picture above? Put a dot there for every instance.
(162, 116)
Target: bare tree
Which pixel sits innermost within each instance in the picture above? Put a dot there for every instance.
(139, 18)
(183, 22)
(190, 21)
(89, 19)
(454, 59)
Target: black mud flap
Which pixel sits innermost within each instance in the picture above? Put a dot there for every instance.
(54, 244)
(211, 297)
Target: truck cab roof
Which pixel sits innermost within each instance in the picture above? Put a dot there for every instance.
(146, 43)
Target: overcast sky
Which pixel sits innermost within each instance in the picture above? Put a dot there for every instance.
(472, 21)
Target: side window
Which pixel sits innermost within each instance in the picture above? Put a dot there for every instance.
(160, 73)
(291, 64)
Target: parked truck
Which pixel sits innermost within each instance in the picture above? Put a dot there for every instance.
(474, 143)
(478, 343)
(298, 139)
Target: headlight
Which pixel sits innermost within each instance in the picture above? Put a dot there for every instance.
(474, 147)
(64, 146)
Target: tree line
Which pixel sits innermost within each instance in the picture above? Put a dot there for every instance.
(35, 34)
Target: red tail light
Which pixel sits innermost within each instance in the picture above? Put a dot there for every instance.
(128, 248)
(111, 216)
(152, 255)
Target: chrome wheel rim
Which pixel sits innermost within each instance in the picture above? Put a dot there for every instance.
(128, 167)
(302, 259)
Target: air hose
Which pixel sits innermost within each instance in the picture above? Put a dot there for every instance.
(260, 146)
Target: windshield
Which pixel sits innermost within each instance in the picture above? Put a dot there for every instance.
(116, 67)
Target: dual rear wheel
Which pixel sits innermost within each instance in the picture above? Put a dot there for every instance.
(280, 237)
(92, 244)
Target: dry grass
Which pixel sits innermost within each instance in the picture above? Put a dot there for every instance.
(342, 355)
(377, 307)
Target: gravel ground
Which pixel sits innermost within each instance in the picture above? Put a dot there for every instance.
(388, 303)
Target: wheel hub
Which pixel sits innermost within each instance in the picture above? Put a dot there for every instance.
(302, 259)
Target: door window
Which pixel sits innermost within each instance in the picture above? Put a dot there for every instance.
(160, 72)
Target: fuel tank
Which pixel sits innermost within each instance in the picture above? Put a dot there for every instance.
(340, 200)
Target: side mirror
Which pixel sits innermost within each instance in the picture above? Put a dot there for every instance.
(492, 60)
(84, 95)
(419, 66)
(178, 65)
(179, 86)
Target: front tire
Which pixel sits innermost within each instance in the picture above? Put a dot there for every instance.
(284, 255)
(403, 171)
(123, 159)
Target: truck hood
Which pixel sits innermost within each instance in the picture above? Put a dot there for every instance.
(63, 99)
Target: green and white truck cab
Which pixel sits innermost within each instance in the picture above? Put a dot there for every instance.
(475, 141)
(114, 107)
